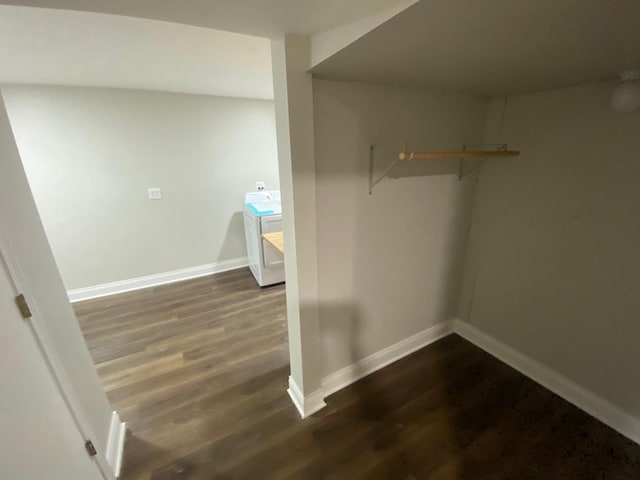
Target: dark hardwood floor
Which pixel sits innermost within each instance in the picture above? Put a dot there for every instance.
(198, 370)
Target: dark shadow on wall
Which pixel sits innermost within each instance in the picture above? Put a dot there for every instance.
(341, 329)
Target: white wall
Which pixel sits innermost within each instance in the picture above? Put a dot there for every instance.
(553, 267)
(387, 263)
(91, 154)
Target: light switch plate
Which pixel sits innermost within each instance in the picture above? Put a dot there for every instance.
(260, 186)
(155, 194)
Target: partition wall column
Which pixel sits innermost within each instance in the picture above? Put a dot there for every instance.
(293, 93)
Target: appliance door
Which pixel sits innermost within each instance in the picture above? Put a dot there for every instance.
(271, 223)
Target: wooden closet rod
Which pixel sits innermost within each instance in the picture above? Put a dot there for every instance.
(460, 154)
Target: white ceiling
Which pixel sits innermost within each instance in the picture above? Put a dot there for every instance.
(57, 47)
(268, 18)
(495, 47)
(492, 48)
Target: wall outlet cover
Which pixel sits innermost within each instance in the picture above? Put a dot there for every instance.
(260, 186)
(155, 194)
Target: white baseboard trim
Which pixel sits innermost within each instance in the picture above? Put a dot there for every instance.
(115, 443)
(623, 422)
(608, 413)
(306, 405)
(354, 372)
(122, 286)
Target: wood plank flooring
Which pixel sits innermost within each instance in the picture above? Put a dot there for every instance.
(198, 370)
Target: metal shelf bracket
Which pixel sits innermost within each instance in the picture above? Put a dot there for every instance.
(462, 172)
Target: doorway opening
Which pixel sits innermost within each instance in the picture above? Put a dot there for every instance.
(142, 194)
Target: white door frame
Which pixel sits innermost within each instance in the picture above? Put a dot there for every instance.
(53, 364)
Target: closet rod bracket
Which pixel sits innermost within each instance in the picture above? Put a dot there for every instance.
(373, 182)
(499, 147)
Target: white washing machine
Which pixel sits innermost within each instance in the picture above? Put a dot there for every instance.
(263, 214)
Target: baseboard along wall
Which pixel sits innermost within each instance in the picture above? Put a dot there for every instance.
(310, 404)
(306, 405)
(368, 365)
(113, 288)
(115, 443)
(601, 409)
(608, 413)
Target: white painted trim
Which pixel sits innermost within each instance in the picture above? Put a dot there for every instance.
(354, 372)
(306, 405)
(122, 286)
(608, 413)
(623, 422)
(115, 443)
(51, 358)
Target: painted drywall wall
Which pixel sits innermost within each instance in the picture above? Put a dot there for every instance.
(553, 265)
(329, 42)
(24, 236)
(91, 154)
(388, 263)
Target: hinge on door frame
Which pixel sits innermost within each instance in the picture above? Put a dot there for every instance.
(91, 449)
(23, 306)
